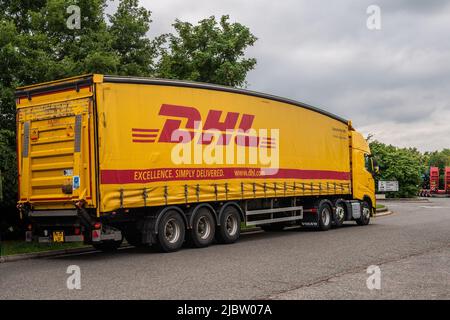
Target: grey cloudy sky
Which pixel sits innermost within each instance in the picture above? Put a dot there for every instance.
(393, 82)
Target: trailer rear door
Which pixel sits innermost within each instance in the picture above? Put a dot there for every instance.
(56, 148)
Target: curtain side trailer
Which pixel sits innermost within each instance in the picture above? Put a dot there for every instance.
(161, 162)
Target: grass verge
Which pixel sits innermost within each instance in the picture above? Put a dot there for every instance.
(380, 206)
(11, 247)
(244, 227)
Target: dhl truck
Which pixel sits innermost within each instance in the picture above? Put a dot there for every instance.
(162, 162)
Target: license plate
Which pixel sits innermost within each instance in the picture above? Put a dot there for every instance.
(58, 236)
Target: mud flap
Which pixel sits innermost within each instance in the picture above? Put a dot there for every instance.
(310, 219)
(147, 228)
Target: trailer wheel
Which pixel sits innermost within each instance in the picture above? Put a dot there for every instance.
(107, 246)
(339, 215)
(203, 229)
(133, 235)
(325, 216)
(171, 231)
(230, 226)
(364, 219)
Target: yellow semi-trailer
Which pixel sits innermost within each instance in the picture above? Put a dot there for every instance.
(162, 162)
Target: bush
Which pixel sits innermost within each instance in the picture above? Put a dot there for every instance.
(406, 165)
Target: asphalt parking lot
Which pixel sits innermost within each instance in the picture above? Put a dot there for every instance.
(410, 248)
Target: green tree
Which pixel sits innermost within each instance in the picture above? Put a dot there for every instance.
(36, 45)
(406, 165)
(8, 176)
(8, 164)
(129, 27)
(439, 159)
(210, 51)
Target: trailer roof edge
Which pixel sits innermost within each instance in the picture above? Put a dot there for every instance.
(96, 78)
(208, 86)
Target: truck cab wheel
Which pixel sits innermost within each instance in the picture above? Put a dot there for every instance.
(364, 219)
(230, 226)
(325, 216)
(107, 246)
(203, 229)
(171, 232)
(339, 214)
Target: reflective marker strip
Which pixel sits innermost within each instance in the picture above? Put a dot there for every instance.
(78, 133)
(26, 139)
(123, 176)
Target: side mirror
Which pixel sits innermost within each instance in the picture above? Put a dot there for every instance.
(376, 168)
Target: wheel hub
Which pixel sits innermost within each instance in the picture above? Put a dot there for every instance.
(231, 225)
(340, 213)
(203, 228)
(366, 213)
(325, 216)
(172, 231)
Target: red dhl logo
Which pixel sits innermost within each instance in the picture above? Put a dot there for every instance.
(191, 116)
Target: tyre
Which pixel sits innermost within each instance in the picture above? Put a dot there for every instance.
(273, 227)
(171, 231)
(325, 216)
(133, 235)
(203, 229)
(107, 246)
(134, 239)
(340, 214)
(364, 219)
(230, 226)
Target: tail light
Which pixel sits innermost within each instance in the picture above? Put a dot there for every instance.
(97, 225)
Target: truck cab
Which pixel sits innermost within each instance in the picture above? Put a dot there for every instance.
(363, 167)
